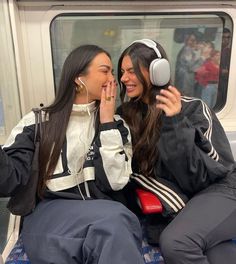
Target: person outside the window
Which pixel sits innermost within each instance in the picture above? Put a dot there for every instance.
(187, 61)
(207, 76)
(205, 49)
(181, 154)
(84, 160)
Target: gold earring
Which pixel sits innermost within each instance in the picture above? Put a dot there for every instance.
(79, 88)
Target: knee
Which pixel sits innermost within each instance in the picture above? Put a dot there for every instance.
(168, 245)
(177, 245)
(120, 216)
(118, 223)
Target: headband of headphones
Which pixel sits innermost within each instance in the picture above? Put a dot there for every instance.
(151, 44)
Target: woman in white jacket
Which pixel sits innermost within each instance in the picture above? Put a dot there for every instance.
(84, 162)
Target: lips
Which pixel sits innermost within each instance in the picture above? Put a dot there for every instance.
(130, 88)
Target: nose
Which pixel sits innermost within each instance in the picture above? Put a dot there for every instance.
(111, 77)
(124, 77)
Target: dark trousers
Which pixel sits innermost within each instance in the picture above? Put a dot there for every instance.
(202, 232)
(73, 231)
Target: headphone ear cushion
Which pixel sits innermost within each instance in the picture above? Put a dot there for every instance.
(159, 72)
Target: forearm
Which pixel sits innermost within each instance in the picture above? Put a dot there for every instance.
(189, 155)
(112, 156)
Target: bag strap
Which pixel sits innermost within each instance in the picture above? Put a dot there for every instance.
(38, 124)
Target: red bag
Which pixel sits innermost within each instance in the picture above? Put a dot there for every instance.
(148, 202)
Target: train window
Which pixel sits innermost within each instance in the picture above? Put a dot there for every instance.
(9, 97)
(198, 45)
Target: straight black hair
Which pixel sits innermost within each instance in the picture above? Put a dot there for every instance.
(57, 114)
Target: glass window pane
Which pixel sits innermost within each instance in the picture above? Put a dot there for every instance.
(9, 98)
(194, 44)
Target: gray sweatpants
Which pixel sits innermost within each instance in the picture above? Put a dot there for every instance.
(73, 231)
(202, 232)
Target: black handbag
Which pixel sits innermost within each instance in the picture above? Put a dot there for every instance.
(25, 198)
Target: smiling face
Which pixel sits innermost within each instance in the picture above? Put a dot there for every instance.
(99, 73)
(134, 87)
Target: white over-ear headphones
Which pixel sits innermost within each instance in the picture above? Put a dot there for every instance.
(159, 68)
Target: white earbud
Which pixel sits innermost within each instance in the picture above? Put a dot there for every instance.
(86, 93)
(81, 81)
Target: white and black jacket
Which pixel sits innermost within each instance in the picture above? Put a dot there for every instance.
(194, 155)
(89, 166)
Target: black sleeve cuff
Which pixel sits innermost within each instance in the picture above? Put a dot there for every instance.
(172, 120)
(108, 126)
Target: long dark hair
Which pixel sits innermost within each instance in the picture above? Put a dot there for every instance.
(143, 119)
(57, 114)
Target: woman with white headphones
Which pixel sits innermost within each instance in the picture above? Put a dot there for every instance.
(181, 154)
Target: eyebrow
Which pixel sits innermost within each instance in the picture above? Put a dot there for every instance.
(106, 66)
(131, 68)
